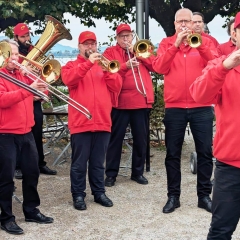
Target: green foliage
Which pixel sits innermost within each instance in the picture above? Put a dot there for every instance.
(157, 112)
(113, 11)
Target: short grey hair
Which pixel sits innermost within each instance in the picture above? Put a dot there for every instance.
(10, 41)
(181, 10)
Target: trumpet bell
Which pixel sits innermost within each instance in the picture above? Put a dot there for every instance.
(113, 66)
(110, 66)
(143, 48)
(5, 53)
(194, 40)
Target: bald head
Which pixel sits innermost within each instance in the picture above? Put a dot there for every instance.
(185, 12)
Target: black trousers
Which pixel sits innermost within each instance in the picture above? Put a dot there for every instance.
(88, 148)
(13, 147)
(138, 119)
(37, 133)
(201, 124)
(225, 202)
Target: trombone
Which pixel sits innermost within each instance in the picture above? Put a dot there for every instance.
(25, 86)
(142, 48)
(5, 53)
(53, 90)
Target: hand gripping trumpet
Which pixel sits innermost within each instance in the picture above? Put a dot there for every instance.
(110, 66)
(194, 39)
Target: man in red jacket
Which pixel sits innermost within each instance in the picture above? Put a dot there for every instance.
(227, 47)
(17, 142)
(181, 65)
(22, 36)
(219, 85)
(96, 90)
(198, 27)
(133, 107)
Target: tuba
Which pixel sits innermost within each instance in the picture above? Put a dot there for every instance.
(45, 66)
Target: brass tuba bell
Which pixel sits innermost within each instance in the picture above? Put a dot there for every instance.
(47, 67)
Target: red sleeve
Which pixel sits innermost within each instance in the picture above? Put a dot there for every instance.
(147, 62)
(108, 53)
(207, 49)
(206, 89)
(165, 55)
(9, 98)
(75, 71)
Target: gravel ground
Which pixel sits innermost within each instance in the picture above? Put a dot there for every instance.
(136, 214)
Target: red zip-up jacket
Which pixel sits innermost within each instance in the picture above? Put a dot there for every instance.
(181, 66)
(220, 86)
(129, 97)
(16, 105)
(214, 40)
(94, 89)
(226, 48)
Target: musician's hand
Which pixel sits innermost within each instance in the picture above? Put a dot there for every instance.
(24, 70)
(232, 60)
(36, 98)
(94, 57)
(181, 36)
(134, 62)
(39, 86)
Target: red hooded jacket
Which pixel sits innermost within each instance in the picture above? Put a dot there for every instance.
(129, 97)
(16, 105)
(181, 66)
(220, 86)
(94, 89)
(226, 48)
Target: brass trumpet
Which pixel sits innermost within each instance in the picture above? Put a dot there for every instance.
(110, 66)
(194, 40)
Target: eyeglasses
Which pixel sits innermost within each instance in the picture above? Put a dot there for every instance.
(125, 36)
(183, 21)
(89, 44)
(199, 22)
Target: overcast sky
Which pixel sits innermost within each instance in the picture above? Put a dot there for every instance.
(156, 32)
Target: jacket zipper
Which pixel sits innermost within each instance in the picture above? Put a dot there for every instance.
(184, 55)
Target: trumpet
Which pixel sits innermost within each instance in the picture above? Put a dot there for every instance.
(110, 66)
(194, 40)
(5, 53)
(54, 91)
